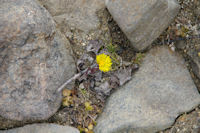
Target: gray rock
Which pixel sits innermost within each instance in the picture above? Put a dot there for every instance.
(80, 14)
(195, 62)
(43, 128)
(142, 20)
(181, 44)
(193, 50)
(160, 91)
(34, 61)
(186, 123)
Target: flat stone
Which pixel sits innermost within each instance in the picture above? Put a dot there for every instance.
(142, 20)
(42, 128)
(35, 59)
(159, 92)
(80, 14)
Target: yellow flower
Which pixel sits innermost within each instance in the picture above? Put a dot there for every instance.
(104, 62)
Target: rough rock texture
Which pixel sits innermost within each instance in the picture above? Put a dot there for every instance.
(43, 128)
(195, 63)
(80, 14)
(161, 90)
(142, 20)
(34, 61)
(186, 123)
(194, 54)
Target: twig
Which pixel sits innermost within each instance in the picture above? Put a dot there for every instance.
(74, 78)
(68, 81)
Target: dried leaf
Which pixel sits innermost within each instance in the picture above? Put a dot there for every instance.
(89, 83)
(81, 129)
(114, 81)
(66, 92)
(86, 130)
(104, 88)
(94, 46)
(84, 62)
(124, 75)
(121, 76)
(90, 126)
(88, 106)
(98, 76)
(67, 101)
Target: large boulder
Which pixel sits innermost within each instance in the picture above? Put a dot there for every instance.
(142, 20)
(158, 93)
(35, 59)
(80, 14)
(42, 128)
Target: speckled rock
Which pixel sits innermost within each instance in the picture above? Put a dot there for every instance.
(42, 128)
(142, 20)
(158, 93)
(80, 14)
(186, 123)
(193, 53)
(195, 62)
(35, 60)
